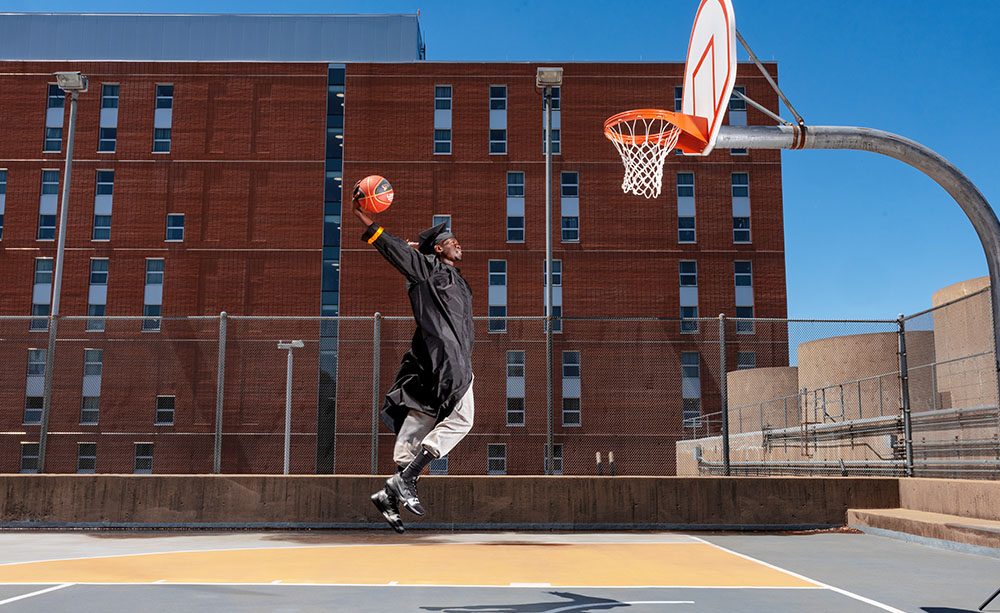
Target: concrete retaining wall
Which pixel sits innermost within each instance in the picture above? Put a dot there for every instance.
(458, 502)
(963, 497)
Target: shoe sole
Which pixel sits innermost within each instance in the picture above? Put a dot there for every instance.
(391, 485)
(393, 519)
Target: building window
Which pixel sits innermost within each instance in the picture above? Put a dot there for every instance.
(556, 121)
(175, 227)
(164, 410)
(744, 327)
(98, 294)
(515, 388)
(53, 140)
(496, 459)
(48, 204)
(438, 466)
(109, 96)
(29, 458)
(557, 459)
(741, 207)
(689, 274)
(743, 272)
(107, 139)
(42, 289)
(738, 113)
(445, 219)
(678, 99)
(34, 384)
(442, 97)
(498, 97)
(442, 141)
(746, 360)
(102, 205)
(3, 197)
(57, 97)
(691, 387)
(571, 388)
(498, 295)
(86, 457)
(152, 306)
(161, 140)
(498, 141)
(164, 96)
(515, 207)
(556, 293)
(685, 207)
(90, 410)
(143, 459)
(689, 319)
(570, 205)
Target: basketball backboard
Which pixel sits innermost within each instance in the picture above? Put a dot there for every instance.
(710, 70)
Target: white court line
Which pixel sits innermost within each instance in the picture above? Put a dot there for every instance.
(265, 547)
(39, 592)
(439, 585)
(874, 603)
(590, 604)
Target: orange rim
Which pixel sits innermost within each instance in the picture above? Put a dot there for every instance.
(666, 116)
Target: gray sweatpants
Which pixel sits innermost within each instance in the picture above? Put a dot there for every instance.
(419, 431)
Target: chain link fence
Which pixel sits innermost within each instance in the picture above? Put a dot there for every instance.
(636, 396)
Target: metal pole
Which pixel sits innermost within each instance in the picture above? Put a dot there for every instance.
(904, 393)
(56, 288)
(549, 442)
(220, 383)
(376, 367)
(288, 410)
(943, 172)
(722, 390)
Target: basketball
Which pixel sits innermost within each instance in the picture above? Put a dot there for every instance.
(374, 193)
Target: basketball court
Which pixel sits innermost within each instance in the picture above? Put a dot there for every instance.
(503, 572)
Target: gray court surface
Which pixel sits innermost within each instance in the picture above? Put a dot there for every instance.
(848, 572)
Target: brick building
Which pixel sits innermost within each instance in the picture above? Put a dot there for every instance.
(209, 178)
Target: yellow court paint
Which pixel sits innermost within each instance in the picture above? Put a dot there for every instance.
(654, 564)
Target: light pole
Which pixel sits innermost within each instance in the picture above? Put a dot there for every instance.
(547, 78)
(288, 396)
(73, 83)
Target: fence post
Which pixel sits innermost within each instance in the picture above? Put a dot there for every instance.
(376, 368)
(50, 365)
(904, 394)
(220, 384)
(722, 390)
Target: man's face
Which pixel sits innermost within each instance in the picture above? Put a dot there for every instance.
(449, 249)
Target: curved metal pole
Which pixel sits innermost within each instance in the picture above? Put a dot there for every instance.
(944, 173)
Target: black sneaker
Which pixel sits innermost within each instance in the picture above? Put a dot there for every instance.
(386, 505)
(405, 489)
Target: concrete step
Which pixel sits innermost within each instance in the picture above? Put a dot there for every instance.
(927, 525)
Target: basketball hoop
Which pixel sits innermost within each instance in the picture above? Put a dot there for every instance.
(644, 138)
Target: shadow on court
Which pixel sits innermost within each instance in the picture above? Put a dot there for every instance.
(571, 602)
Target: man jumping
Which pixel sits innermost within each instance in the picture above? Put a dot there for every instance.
(430, 404)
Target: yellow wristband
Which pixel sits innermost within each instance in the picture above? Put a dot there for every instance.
(376, 235)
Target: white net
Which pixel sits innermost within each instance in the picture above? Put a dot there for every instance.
(644, 144)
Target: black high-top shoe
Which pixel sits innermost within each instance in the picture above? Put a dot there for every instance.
(385, 502)
(403, 485)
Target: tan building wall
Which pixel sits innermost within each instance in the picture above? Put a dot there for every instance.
(831, 370)
(962, 330)
(759, 397)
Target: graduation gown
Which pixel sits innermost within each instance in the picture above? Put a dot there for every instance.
(437, 370)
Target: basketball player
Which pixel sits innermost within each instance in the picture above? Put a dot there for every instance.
(430, 404)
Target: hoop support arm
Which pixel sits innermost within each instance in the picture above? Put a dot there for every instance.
(943, 172)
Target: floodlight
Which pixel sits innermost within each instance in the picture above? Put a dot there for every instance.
(549, 77)
(71, 81)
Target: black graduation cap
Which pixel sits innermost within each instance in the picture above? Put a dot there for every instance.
(433, 236)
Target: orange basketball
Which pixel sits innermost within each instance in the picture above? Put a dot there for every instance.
(374, 194)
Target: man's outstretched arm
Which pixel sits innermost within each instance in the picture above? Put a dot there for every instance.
(398, 252)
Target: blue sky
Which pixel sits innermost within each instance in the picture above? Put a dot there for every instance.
(866, 236)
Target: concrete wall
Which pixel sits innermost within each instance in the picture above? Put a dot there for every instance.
(963, 497)
(342, 501)
(959, 332)
(746, 388)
